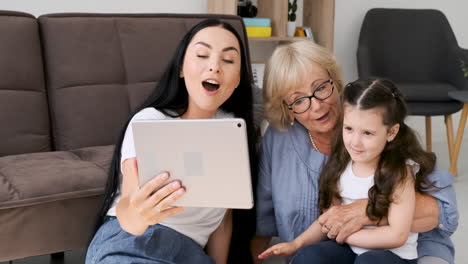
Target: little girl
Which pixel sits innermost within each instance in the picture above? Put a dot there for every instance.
(376, 157)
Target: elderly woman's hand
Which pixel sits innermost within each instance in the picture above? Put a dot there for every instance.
(340, 221)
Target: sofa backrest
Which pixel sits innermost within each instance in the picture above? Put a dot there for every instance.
(100, 67)
(24, 117)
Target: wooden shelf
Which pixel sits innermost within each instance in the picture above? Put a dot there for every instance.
(317, 14)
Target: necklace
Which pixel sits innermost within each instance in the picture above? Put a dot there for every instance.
(312, 142)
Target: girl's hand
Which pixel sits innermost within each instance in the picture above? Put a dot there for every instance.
(153, 206)
(149, 204)
(281, 249)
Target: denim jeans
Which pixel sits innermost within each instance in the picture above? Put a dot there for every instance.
(328, 252)
(158, 245)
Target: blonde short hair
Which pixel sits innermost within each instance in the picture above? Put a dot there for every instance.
(286, 71)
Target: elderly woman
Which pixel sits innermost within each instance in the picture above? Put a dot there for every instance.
(302, 88)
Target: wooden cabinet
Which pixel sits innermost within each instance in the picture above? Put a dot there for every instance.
(317, 14)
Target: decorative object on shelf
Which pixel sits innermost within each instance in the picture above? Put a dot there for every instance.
(257, 22)
(299, 32)
(257, 27)
(245, 8)
(292, 8)
(258, 31)
(304, 32)
(308, 33)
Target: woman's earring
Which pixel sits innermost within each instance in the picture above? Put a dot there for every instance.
(292, 122)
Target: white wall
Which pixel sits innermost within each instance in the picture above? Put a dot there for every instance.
(350, 13)
(40, 7)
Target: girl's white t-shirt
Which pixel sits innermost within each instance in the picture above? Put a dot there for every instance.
(196, 223)
(354, 188)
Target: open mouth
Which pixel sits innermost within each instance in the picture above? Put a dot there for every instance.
(323, 117)
(210, 85)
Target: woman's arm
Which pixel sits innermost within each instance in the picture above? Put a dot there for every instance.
(438, 208)
(426, 215)
(445, 201)
(219, 241)
(138, 207)
(345, 220)
(400, 216)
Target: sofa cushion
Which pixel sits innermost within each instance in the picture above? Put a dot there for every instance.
(24, 117)
(100, 68)
(29, 179)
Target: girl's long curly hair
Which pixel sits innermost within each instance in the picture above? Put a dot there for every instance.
(391, 170)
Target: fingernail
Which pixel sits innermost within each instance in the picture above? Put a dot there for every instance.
(181, 191)
(176, 185)
(165, 175)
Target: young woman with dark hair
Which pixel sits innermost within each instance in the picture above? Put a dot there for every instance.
(375, 156)
(206, 78)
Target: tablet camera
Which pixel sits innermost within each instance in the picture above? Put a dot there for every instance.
(239, 124)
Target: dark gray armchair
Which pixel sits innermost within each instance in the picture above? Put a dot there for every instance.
(419, 52)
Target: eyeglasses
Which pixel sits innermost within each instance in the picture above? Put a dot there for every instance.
(322, 92)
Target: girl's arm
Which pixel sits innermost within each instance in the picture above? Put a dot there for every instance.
(400, 217)
(219, 241)
(312, 235)
(426, 216)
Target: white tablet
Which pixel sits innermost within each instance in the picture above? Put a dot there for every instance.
(209, 156)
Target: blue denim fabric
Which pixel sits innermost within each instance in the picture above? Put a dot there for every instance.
(325, 252)
(329, 251)
(287, 192)
(382, 256)
(158, 245)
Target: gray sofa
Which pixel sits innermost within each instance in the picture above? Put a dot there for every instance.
(68, 82)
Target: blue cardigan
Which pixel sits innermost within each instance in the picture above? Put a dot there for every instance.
(287, 192)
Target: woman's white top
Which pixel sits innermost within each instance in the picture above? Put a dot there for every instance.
(196, 223)
(354, 188)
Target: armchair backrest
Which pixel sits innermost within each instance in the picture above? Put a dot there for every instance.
(407, 45)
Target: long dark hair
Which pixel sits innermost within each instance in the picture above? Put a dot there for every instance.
(170, 96)
(391, 168)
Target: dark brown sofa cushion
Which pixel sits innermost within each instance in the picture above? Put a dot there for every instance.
(29, 179)
(101, 67)
(49, 201)
(24, 115)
